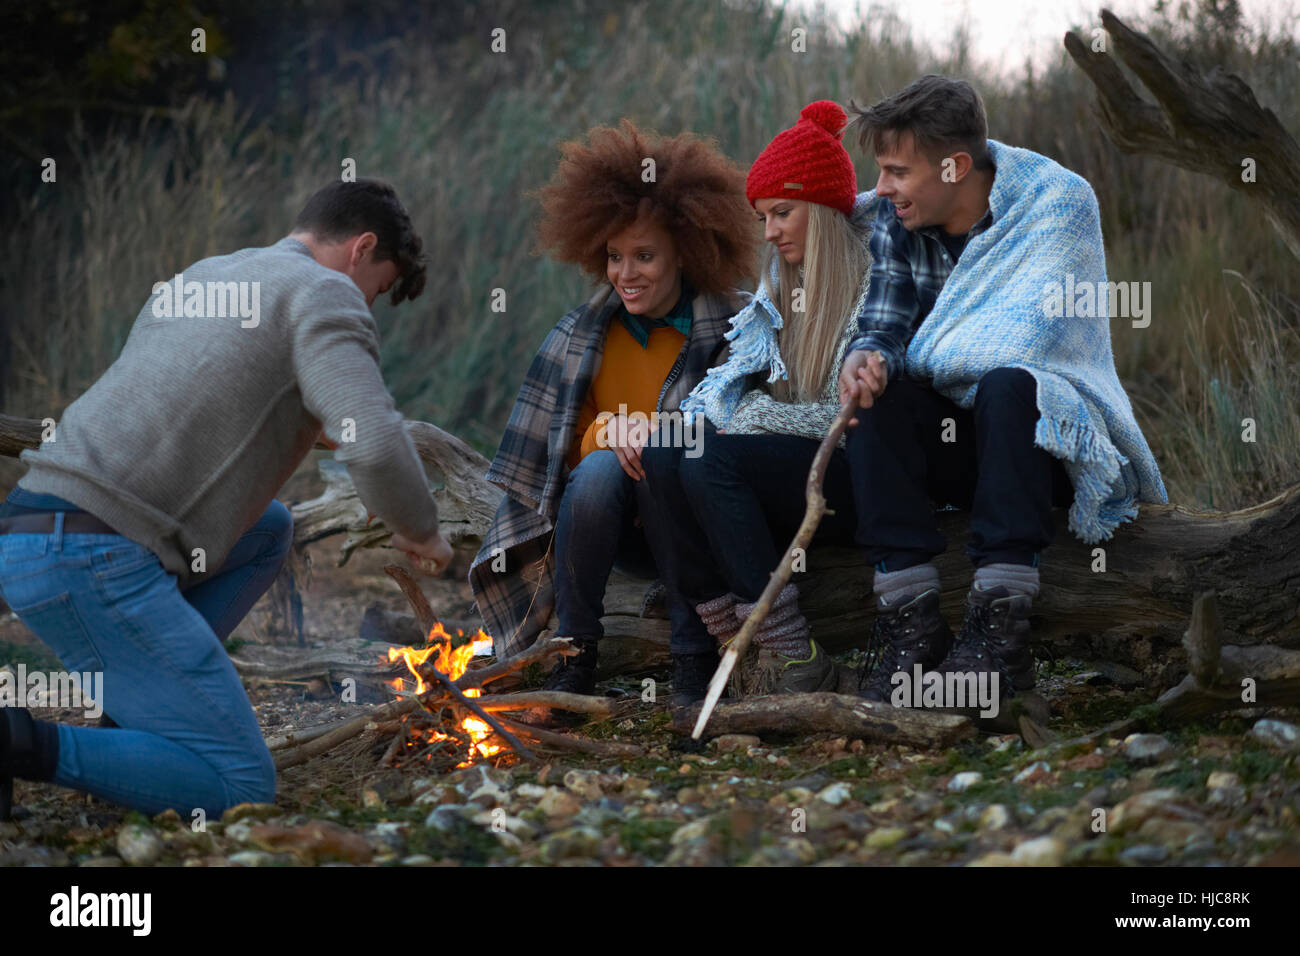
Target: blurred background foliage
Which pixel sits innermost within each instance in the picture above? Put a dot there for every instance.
(165, 156)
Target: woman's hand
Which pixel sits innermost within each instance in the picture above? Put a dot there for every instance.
(625, 436)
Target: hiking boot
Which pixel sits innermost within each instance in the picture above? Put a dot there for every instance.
(691, 676)
(783, 658)
(905, 634)
(572, 675)
(791, 676)
(995, 637)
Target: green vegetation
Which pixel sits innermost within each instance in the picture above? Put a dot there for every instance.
(466, 134)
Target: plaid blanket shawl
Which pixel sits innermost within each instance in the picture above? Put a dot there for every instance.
(530, 463)
(992, 313)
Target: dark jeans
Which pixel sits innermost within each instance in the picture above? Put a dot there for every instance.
(734, 509)
(902, 466)
(596, 532)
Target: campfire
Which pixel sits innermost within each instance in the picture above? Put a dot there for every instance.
(423, 735)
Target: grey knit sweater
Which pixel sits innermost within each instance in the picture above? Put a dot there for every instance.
(186, 438)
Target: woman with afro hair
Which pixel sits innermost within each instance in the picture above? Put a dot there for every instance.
(768, 408)
(662, 225)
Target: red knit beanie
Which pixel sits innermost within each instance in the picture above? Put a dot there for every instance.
(807, 162)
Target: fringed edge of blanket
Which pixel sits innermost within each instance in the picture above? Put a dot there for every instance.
(1095, 514)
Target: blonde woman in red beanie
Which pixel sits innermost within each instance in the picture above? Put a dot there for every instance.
(733, 507)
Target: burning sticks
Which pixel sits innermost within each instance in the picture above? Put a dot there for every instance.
(448, 714)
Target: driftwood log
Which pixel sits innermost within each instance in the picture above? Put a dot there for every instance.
(1209, 123)
(1127, 599)
(825, 712)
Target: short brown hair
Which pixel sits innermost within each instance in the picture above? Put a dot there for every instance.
(697, 195)
(345, 209)
(942, 114)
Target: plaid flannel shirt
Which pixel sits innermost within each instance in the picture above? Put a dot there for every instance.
(908, 270)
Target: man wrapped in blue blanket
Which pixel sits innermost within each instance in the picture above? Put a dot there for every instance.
(973, 390)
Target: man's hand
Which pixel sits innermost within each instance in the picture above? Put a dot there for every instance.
(634, 436)
(430, 557)
(863, 378)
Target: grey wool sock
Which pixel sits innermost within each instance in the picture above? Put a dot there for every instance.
(719, 617)
(1016, 578)
(890, 586)
(785, 630)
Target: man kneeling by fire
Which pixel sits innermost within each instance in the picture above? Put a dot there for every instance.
(146, 530)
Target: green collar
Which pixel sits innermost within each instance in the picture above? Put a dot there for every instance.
(680, 317)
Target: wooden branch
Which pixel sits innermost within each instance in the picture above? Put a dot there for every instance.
(601, 748)
(320, 743)
(322, 664)
(528, 700)
(824, 712)
(538, 653)
(1208, 123)
(813, 512)
(424, 616)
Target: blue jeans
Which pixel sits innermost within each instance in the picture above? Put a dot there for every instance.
(595, 532)
(187, 737)
(735, 508)
(902, 467)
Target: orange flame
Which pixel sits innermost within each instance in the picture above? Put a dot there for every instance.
(453, 662)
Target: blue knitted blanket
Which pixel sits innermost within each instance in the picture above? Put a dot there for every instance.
(992, 313)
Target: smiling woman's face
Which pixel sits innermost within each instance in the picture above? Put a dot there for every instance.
(643, 266)
(785, 225)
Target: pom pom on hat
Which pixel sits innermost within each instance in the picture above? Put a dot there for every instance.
(807, 162)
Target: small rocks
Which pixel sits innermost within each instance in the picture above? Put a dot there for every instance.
(1131, 813)
(139, 845)
(1147, 748)
(995, 817)
(251, 811)
(835, 794)
(965, 780)
(884, 838)
(559, 803)
(1277, 734)
(1225, 789)
(316, 842)
(252, 858)
(1144, 854)
(572, 842)
(1034, 773)
(1044, 851)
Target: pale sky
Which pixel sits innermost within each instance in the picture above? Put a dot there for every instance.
(1005, 33)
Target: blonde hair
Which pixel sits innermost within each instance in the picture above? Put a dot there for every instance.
(835, 266)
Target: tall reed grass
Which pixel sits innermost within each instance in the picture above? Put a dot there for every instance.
(465, 135)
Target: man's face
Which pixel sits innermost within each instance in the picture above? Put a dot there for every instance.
(914, 184)
(372, 278)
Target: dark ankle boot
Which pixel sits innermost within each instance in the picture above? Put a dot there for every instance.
(28, 749)
(691, 676)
